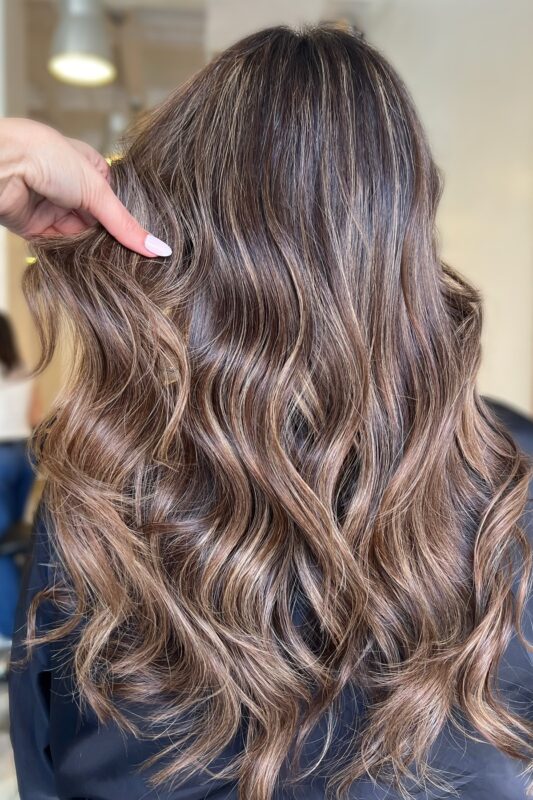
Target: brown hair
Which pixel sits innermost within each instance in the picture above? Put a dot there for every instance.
(286, 408)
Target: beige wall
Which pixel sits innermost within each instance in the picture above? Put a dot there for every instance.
(469, 66)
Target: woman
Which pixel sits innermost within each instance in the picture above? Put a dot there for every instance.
(19, 413)
(282, 551)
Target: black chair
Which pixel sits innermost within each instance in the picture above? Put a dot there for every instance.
(17, 541)
(519, 424)
(15, 544)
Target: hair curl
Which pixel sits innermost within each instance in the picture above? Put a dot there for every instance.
(283, 412)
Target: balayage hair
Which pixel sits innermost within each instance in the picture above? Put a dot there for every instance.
(285, 411)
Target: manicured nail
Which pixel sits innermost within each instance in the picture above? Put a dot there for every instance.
(156, 246)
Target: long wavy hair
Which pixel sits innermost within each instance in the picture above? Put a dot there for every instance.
(281, 415)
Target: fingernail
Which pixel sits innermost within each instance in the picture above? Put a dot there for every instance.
(156, 246)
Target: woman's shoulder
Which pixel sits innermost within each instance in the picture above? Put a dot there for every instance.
(42, 551)
(40, 573)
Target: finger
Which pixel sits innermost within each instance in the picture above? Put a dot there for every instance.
(86, 217)
(92, 155)
(105, 206)
(70, 224)
(64, 225)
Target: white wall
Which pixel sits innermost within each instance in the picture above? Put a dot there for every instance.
(227, 21)
(469, 66)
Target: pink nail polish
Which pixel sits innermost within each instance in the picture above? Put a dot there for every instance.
(156, 246)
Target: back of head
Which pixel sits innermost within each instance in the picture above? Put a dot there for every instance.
(284, 411)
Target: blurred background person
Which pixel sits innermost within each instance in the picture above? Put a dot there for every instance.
(20, 411)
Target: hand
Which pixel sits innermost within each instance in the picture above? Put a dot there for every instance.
(52, 185)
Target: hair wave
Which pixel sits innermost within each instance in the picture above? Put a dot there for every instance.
(285, 411)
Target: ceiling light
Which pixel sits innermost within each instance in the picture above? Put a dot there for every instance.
(81, 50)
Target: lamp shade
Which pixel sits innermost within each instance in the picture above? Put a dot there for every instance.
(81, 49)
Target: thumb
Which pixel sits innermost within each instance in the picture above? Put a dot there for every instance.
(105, 206)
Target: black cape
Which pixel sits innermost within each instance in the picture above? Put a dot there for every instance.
(62, 754)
